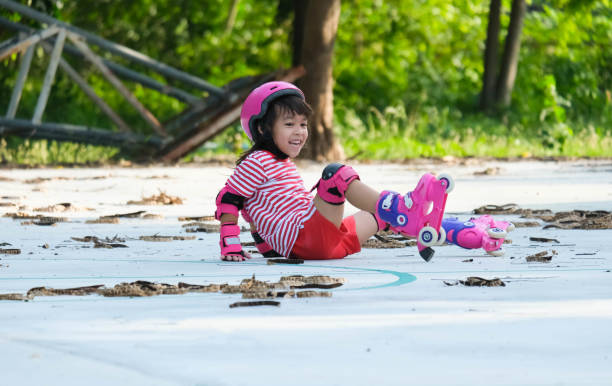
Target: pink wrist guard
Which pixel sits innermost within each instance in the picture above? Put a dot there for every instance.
(230, 239)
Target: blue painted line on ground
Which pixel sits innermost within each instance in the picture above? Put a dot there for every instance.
(401, 277)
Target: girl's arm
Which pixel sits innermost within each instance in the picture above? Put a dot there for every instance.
(241, 185)
(229, 202)
(231, 249)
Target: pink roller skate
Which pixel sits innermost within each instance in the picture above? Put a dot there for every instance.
(418, 213)
(479, 232)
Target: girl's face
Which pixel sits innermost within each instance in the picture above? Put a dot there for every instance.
(290, 132)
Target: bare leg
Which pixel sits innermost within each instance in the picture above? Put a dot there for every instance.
(365, 225)
(333, 213)
(361, 196)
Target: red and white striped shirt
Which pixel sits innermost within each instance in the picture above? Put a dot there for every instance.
(276, 199)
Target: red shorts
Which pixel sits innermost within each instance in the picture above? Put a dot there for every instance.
(321, 240)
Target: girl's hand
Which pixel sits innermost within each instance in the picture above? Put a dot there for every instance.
(236, 256)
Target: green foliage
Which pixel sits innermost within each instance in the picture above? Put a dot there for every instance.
(407, 73)
(422, 136)
(426, 56)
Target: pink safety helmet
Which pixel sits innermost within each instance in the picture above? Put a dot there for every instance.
(256, 104)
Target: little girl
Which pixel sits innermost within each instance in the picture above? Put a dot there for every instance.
(285, 219)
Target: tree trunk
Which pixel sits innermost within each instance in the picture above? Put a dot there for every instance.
(507, 74)
(491, 57)
(319, 34)
(299, 18)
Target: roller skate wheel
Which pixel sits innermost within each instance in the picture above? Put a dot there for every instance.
(449, 183)
(511, 227)
(441, 237)
(497, 253)
(497, 233)
(428, 236)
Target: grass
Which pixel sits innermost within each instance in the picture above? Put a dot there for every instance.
(402, 147)
(43, 152)
(393, 135)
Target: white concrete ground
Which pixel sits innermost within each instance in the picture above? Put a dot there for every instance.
(394, 322)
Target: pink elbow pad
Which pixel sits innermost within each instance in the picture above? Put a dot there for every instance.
(228, 201)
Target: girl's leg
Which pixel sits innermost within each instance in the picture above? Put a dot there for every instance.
(365, 225)
(334, 213)
(363, 197)
(358, 194)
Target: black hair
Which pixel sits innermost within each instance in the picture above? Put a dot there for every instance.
(262, 136)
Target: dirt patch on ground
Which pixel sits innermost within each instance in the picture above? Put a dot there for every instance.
(257, 303)
(108, 243)
(388, 240)
(541, 257)
(10, 251)
(474, 281)
(206, 227)
(161, 199)
(250, 288)
(575, 219)
(488, 172)
(511, 209)
(543, 240)
(126, 215)
(39, 180)
(114, 218)
(193, 227)
(197, 218)
(37, 219)
(79, 291)
(104, 220)
(152, 216)
(580, 219)
(20, 297)
(526, 224)
(27, 216)
(165, 238)
(63, 207)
